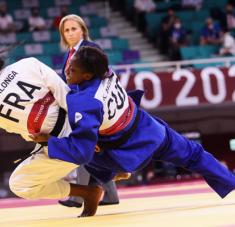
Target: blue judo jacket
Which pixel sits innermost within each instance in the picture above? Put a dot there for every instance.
(85, 116)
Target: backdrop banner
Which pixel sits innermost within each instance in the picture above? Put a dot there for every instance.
(183, 87)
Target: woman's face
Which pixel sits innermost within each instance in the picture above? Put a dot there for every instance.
(75, 74)
(72, 32)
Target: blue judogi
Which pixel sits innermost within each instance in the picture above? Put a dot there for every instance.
(152, 139)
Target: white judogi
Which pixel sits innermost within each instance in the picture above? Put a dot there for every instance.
(31, 94)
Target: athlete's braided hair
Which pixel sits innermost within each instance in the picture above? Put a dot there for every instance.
(2, 58)
(1, 63)
(92, 60)
(5, 52)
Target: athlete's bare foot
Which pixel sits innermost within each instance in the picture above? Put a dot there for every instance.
(91, 202)
(91, 195)
(122, 176)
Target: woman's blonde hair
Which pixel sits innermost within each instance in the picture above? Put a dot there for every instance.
(80, 21)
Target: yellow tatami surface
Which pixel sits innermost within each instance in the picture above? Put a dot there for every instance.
(199, 209)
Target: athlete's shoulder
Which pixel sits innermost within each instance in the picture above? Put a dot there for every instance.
(24, 63)
(30, 60)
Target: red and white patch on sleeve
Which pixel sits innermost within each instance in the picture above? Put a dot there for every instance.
(38, 113)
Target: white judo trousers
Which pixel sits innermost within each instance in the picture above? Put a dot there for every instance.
(41, 177)
(31, 95)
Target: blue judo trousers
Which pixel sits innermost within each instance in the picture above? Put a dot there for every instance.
(152, 139)
(190, 155)
(176, 149)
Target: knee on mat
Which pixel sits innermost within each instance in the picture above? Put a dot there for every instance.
(19, 189)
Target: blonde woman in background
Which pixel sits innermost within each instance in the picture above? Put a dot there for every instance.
(74, 34)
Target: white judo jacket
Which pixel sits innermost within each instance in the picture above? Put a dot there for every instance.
(31, 94)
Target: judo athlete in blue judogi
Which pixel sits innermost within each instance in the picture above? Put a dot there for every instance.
(101, 112)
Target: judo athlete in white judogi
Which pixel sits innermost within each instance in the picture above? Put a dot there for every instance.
(33, 100)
